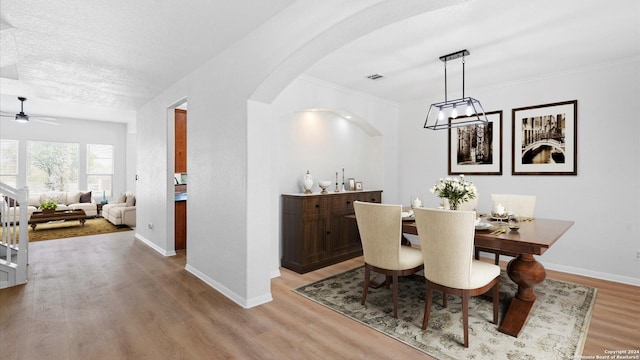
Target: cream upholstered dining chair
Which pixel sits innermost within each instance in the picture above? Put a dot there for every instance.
(523, 206)
(446, 238)
(380, 227)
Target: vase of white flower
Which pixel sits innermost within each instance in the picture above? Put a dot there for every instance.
(455, 190)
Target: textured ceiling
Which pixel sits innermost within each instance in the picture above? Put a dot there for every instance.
(116, 55)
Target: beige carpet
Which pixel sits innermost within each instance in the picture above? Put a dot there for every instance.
(556, 328)
(72, 228)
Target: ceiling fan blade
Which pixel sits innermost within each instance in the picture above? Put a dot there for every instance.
(22, 117)
(45, 120)
(40, 119)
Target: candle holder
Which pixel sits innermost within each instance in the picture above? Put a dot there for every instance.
(499, 213)
(416, 202)
(500, 217)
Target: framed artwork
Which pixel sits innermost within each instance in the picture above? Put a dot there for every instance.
(358, 185)
(352, 184)
(477, 149)
(545, 139)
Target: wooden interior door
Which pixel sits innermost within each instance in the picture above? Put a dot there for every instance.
(180, 141)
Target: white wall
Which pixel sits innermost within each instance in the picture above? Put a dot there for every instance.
(224, 180)
(603, 199)
(325, 143)
(322, 142)
(154, 165)
(131, 162)
(78, 131)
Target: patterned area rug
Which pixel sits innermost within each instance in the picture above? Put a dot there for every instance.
(61, 230)
(556, 328)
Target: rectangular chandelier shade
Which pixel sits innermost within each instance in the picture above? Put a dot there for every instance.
(455, 113)
(470, 108)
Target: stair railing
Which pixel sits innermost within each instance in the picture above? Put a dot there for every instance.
(14, 239)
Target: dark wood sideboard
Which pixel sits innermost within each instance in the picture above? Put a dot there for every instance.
(316, 232)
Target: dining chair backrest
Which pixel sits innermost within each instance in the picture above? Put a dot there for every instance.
(521, 205)
(380, 227)
(446, 238)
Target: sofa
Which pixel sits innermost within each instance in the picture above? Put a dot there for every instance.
(71, 200)
(122, 211)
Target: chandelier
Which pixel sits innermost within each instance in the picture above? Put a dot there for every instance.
(446, 115)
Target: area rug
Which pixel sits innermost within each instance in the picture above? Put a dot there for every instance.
(61, 230)
(556, 328)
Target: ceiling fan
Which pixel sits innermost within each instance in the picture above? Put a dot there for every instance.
(21, 117)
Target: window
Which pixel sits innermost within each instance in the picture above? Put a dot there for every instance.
(100, 168)
(9, 162)
(56, 166)
(52, 166)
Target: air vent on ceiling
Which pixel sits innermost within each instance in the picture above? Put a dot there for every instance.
(375, 76)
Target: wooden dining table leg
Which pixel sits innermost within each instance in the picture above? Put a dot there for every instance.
(525, 271)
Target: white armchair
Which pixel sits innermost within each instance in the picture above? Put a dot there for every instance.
(122, 212)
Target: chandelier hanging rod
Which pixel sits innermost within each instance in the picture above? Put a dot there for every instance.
(453, 56)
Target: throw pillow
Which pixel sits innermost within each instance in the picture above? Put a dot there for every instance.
(11, 201)
(85, 197)
(131, 200)
(73, 197)
(122, 198)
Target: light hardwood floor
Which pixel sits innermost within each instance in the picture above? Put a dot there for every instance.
(112, 297)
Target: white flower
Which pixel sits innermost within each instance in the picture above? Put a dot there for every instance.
(457, 190)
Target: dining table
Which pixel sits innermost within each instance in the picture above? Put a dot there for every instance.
(534, 237)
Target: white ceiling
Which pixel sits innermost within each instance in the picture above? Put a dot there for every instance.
(119, 54)
(508, 41)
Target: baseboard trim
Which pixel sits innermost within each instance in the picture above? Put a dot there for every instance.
(593, 274)
(579, 271)
(275, 273)
(245, 303)
(155, 247)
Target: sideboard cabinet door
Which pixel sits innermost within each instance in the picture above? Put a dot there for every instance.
(344, 239)
(316, 231)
